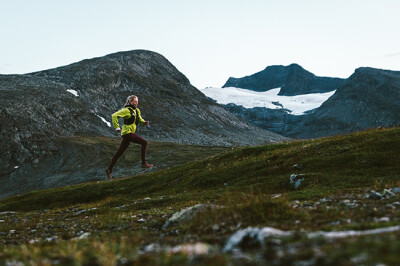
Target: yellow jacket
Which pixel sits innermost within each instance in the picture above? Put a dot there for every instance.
(125, 113)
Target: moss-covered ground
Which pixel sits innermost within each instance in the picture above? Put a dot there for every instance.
(120, 222)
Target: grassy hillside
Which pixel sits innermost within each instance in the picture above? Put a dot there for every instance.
(80, 159)
(243, 187)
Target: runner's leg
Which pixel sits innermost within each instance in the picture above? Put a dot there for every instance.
(139, 140)
(124, 145)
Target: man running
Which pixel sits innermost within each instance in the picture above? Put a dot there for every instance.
(131, 115)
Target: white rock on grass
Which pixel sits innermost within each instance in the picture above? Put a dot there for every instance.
(254, 237)
(7, 212)
(14, 263)
(51, 239)
(186, 214)
(296, 179)
(396, 190)
(375, 195)
(388, 192)
(382, 219)
(153, 247)
(84, 235)
(190, 250)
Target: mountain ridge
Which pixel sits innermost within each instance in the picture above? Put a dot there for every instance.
(292, 79)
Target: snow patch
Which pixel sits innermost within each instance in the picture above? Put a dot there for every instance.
(297, 105)
(74, 92)
(105, 121)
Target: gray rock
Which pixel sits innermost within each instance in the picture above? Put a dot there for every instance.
(151, 248)
(296, 179)
(388, 193)
(382, 219)
(186, 214)
(84, 235)
(328, 199)
(7, 212)
(191, 249)
(297, 166)
(375, 195)
(396, 190)
(51, 239)
(252, 237)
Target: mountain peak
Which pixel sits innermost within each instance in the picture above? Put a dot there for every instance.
(295, 66)
(292, 79)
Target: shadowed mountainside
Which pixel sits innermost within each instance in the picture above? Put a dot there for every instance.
(369, 98)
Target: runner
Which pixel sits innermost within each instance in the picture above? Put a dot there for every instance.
(131, 115)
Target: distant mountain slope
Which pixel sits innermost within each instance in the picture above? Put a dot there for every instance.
(40, 106)
(292, 79)
(370, 98)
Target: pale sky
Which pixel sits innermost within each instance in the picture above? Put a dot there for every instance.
(207, 40)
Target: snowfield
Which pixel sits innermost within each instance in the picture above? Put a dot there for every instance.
(296, 105)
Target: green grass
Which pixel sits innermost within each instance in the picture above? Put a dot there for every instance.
(365, 159)
(242, 182)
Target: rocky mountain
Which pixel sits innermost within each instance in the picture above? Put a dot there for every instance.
(275, 120)
(78, 100)
(292, 79)
(369, 98)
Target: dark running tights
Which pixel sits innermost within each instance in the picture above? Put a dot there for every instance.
(126, 140)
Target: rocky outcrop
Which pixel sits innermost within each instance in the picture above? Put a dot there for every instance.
(275, 120)
(292, 79)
